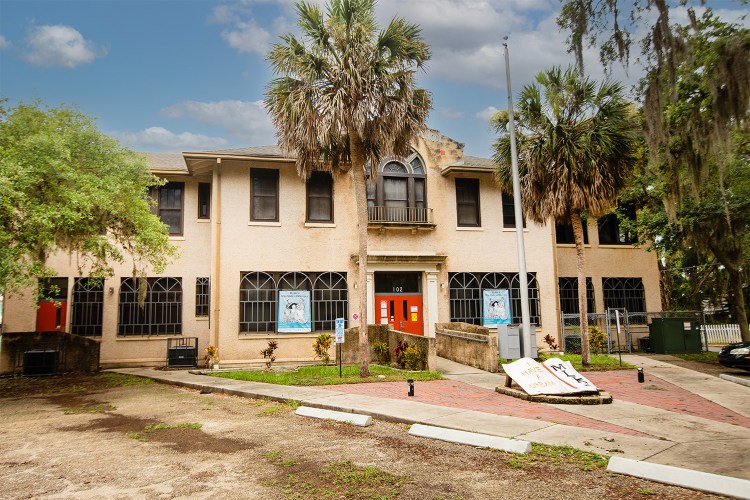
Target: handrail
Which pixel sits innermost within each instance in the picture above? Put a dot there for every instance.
(399, 215)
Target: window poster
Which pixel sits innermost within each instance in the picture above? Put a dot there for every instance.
(496, 307)
(294, 311)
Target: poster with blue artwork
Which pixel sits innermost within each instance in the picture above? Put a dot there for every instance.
(496, 307)
(294, 311)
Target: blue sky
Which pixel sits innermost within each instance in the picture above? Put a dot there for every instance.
(179, 75)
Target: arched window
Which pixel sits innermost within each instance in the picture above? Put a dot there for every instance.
(161, 313)
(399, 193)
(330, 300)
(466, 295)
(257, 303)
(465, 298)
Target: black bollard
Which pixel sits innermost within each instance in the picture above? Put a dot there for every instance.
(641, 376)
(411, 387)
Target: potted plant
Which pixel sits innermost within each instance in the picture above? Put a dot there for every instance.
(212, 356)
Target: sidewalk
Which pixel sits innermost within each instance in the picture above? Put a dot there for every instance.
(678, 417)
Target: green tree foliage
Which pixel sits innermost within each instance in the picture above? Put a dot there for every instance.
(695, 192)
(345, 95)
(66, 186)
(577, 143)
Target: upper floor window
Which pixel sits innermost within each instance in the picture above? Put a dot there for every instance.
(611, 231)
(264, 194)
(564, 233)
(399, 193)
(509, 212)
(320, 197)
(204, 200)
(467, 203)
(169, 204)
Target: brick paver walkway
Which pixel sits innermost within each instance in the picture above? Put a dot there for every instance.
(658, 393)
(622, 384)
(454, 394)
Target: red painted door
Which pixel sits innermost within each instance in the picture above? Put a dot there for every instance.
(402, 312)
(51, 316)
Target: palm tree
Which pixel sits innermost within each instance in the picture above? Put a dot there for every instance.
(344, 94)
(576, 145)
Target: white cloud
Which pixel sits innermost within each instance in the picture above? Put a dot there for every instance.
(161, 139)
(59, 46)
(248, 36)
(451, 114)
(245, 120)
(486, 113)
(4, 43)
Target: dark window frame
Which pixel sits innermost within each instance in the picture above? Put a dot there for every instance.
(202, 297)
(465, 295)
(610, 230)
(564, 233)
(87, 307)
(204, 200)
(259, 293)
(161, 313)
(567, 289)
(414, 172)
(469, 187)
(509, 212)
(624, 293)
(158, 194)
(264, 173)
(322, 180)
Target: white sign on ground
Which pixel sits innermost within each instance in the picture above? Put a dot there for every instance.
(554, 376)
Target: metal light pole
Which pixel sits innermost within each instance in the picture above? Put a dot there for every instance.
(522, 277)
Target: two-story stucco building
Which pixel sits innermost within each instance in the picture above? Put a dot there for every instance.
(265, 254)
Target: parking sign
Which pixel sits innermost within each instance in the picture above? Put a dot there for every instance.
(339, 330)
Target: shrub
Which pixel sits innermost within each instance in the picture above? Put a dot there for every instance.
(398, 353)
(573, 345)
(321, 346)
(597, 340)
(414, 357)
(551, 342)
(381, 352)
(268, 353)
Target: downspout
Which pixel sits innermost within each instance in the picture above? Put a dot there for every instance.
(214, 284)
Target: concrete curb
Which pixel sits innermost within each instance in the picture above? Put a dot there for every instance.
(686, 478)
(349, 418)
(470, 438)
(736, 380)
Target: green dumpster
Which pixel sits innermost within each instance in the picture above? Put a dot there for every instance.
(675, 336)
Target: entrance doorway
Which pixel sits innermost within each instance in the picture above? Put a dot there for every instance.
(398, 301)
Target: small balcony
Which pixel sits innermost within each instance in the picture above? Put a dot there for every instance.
(412, 218)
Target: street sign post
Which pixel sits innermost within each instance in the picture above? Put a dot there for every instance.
(340, 339)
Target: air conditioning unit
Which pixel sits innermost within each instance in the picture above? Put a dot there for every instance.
(40, 362)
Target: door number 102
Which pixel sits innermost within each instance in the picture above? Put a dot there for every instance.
(398, 289)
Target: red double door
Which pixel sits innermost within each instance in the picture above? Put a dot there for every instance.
(403, 312)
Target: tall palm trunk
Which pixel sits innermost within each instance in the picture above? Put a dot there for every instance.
(360, 189)
(577, 224)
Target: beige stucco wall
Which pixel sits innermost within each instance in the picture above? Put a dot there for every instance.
(613, 261)
(292, 245)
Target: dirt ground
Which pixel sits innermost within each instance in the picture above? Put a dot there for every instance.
(118, 437)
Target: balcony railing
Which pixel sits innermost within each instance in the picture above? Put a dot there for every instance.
(400, 216)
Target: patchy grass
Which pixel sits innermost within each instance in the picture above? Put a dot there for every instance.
(335, 480)
(562, 455)
(143, 436)
(276, 458)
(67, 383)
(711, 358)
(327, 375)
(599, 362)
(98, 408)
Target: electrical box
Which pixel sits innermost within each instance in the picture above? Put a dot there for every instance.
(675, 336)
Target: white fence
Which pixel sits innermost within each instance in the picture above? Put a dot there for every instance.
(721, 334)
